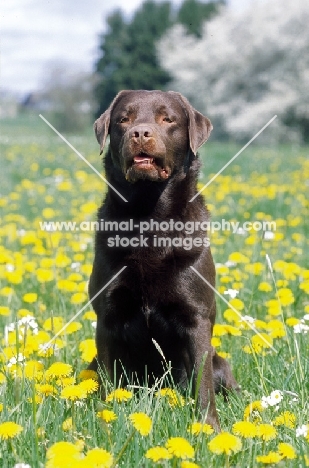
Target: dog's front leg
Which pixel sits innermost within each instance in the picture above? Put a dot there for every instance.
(198, 362)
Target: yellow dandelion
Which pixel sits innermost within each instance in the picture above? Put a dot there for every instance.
(34, 370)
(120, 394)
(90, 315)
(2, 378)
(270, 459)
(45, 389)
(225, 443)
(266, 432)
(59, 369)
(141, 422)
(286, 296)
(78, 298)
(244, 429)
(1, 407)
(188, 464)
(53, 324)
(41, 433)
(107, 416)
(286, 418)
(4, 310)
(157, 454)
(73, 393)
(200, 428)
(60, 448)
(65, 381)
(292, 321)
(261, 342)
(286, 451)
(253, 407)
(67, 425)
(71, 328)
(30, 297)
(88, 350)
(43, 275)
(265, 287)
(99, 458)
(9, 429)
(215, 341)
(89, 385)
(172, 396)
(86, 374)
(180, 447)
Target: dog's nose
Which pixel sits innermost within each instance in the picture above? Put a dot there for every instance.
(141, 133)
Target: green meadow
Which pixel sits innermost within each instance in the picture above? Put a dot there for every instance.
(50, 412)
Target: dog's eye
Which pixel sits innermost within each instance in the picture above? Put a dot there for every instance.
(124, 120)
(167, 119)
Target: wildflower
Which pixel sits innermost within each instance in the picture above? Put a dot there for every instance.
(4, 310)
(21, 465)
(286, 296)
(156, 454)
(107, 415)
(99, 457)
(1, 407)
(253, 406)
(86, 374)
(65, 381)
(271, 458)
(30, 297)
(59, 369)
(302, 430)
(141, 422)
(33, 370)
(273, 399)
(225, 443)
(286, 451)
(261, 342)
(265, 287)
(53, 324)
(231, 292)
(90, 315)
(173, 397)
(198, 428)
(179, 447)
(89, 385)
(286, 418)
(62, 454)
(188, 464)
(120, 394)
(266, 431)
(244, 429)
(45, 389)
(73, 393)
(78, 298)
(67, 424)
(9, 429)
(88, 350)
(71, 328)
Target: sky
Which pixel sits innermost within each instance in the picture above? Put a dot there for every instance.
(35, 34)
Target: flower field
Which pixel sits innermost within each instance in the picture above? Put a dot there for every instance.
(50, 412)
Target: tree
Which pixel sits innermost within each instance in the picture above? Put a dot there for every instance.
(128, 54)
(192, 14)
(246, 67)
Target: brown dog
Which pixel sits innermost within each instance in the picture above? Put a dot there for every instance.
(152, 162)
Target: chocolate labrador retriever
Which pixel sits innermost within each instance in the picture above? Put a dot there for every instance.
(157, 305)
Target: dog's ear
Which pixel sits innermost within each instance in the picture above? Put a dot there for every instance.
(101, 125)
(199, 125)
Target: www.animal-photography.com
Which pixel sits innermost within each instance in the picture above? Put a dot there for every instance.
(154, 266)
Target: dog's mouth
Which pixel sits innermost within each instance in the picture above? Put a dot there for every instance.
(145, 166)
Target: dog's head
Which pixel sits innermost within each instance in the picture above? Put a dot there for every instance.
(152, 133)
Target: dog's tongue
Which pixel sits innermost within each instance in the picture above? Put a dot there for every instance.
(142, 160)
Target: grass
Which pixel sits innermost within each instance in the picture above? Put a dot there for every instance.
(42, 179)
